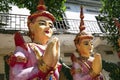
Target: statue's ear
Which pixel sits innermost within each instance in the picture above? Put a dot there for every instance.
(77, 45)
(31, 27)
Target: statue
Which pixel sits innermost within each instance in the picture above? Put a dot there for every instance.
(84, 66)
(39, 59)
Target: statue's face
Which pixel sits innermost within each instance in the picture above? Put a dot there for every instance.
(41, 29)
(85, 47)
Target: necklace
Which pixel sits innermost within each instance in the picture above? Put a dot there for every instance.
(83, 58)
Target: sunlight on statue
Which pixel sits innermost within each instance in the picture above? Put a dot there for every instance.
(38, 60)
(84, 66)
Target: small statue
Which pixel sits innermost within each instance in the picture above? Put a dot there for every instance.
(39, 59)
(84, 66)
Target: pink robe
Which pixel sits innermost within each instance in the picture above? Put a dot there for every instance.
(28, 70)
(84, 74)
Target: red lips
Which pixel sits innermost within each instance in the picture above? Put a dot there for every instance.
(47, 31)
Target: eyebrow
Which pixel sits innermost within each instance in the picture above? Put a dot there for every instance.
(44, 21)
(41, 21)
(85, 41)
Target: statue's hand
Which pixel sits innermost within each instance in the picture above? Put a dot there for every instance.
(97, 64)
(52, 52)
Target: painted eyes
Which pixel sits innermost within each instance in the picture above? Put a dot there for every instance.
(41, 23)
(88, 43)
(46, 24)
(51, 25)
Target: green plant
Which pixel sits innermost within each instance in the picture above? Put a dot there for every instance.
(56, 7)
(113, 69)
(110, 9)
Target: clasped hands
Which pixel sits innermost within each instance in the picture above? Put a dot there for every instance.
(52, 52)
(96, 65)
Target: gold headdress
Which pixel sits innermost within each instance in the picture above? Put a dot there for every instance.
(82, 34)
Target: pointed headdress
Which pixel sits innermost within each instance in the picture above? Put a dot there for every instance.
(82, 34)
(41, 11)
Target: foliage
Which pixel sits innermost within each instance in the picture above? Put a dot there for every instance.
(113, 69)
(4, 6)
(110, 9)
(56, 7)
